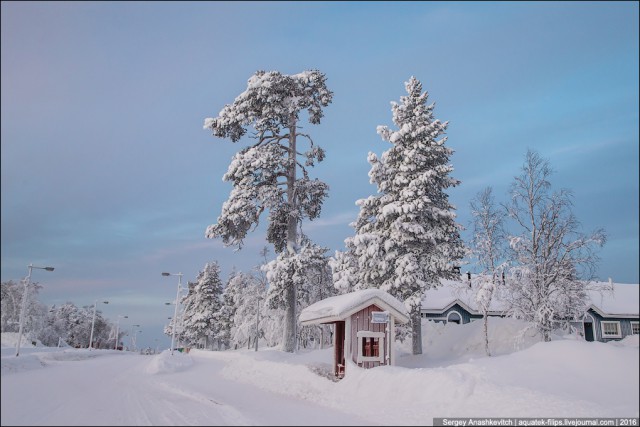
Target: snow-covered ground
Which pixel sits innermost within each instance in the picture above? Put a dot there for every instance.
(453, 378)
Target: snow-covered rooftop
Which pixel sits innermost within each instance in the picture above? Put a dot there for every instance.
(342, 306)
(623, 299)
(451, 290)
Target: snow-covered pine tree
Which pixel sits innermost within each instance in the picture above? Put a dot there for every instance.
(488, 247)
(201, 311)
(406, 236)
(553, 263)
(265, 174)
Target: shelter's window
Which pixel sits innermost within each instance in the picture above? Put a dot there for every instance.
(370, 346)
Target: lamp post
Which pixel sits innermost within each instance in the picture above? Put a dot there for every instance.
(118, 329)
(175, 313)
(133, 338)
(23, 306)
(93, 322)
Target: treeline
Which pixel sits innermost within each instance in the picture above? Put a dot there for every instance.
(59, 324)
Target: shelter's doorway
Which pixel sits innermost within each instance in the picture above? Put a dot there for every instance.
(338, 355)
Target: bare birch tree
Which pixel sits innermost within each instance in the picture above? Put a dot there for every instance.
(552, 261)
(488, 247)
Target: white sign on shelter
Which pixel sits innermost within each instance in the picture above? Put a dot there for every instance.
(380, 317)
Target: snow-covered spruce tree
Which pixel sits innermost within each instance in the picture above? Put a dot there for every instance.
(201, 311)
(317, 285)
(406, 236)
(488, 247)
(552, 261)
(344, 268)
(271, 328)
(177, 321)
(309, 270)
(231, 297)
(248, 311)
(265, 174)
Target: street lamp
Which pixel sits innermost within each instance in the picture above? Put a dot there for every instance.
(175, 313)
(133, 338)
(23, 307)
(93, 322)
(118, 329)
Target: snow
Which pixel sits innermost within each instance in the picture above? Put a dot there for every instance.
(624, 299)
(566, 377)
(340, 306)
(450, 290)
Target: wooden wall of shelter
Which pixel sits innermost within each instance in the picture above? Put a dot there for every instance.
(361, 321)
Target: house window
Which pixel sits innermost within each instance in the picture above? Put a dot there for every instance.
(370, 346)
(610, 329)
(635, 328)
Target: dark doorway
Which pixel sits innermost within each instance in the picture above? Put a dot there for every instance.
(338, 355)
(588, 331)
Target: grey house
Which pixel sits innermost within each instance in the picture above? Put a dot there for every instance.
(454, 302)
(612, 312)
(611, 315)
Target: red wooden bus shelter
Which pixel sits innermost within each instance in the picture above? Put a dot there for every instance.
(364, 324)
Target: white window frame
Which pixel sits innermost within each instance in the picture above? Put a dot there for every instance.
(381, 346)
(636, 323)
(611, 322)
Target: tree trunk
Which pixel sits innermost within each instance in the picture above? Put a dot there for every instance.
(289, 339)
(486, 333)
(416, 330)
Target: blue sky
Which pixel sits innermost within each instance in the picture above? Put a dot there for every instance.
(108, 175)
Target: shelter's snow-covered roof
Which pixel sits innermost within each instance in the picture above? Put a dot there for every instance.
(341, 306)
